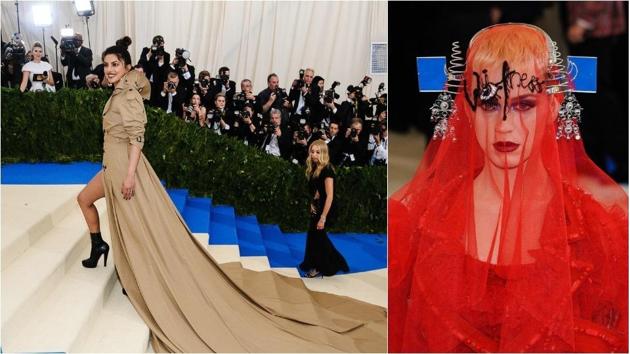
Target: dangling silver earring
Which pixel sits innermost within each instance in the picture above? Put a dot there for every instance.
(444, 106)
(569, 116)
(570, 113)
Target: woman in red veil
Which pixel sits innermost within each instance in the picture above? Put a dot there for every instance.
(509, 238)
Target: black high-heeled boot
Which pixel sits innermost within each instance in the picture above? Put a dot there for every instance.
(99, 247)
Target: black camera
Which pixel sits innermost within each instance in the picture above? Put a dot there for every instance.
(268, 128)
(93, 84)
(366, 81)
(354, 132)
(204, 82)
(15, 50)
(69, 45)
(171, 85)
(379, 94)
(330, 95)
(299, 83)
(182, 56)
(40, 77)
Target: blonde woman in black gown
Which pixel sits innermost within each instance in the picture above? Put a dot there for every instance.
(321, 257)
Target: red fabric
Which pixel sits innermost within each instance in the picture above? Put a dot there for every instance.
(486, 254)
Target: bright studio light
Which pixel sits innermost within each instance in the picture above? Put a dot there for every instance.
(84, 7)
(42, 15)
(67, 32)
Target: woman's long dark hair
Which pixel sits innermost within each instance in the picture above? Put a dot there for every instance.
(120, 50)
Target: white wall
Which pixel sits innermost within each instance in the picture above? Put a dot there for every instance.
(252, 38)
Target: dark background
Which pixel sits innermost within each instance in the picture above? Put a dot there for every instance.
(429, 28)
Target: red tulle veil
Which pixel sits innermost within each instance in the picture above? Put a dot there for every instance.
(508, 252)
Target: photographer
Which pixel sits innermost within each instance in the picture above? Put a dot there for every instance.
(186, 72)
(223, 84)
(379, 156)
(203, 86)
(77, 58)
(277, 140)
(302, 139)
(245, 97)
(155, 62)
(13, 58)
(170, 99)
(219, 119)
(355, 146)
(248, 127)
(300, 88)
(335, 143)
(274, 97)
(317, 104)
(37, 72)
(195, 112)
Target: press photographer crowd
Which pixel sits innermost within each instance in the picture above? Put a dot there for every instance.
(281, 122)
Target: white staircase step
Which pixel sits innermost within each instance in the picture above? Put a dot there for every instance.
(65, 315)
(31, 277)
(365, 286)
(118, 329)
(28, 212)
(224, 253)
(256, 263)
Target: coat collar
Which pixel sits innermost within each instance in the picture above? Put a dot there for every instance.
(134, 80)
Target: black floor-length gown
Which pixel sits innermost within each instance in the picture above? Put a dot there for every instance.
(320, 253)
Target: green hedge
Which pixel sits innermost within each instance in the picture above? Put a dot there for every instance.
(66, 126)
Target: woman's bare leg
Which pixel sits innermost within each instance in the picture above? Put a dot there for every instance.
(92, 192)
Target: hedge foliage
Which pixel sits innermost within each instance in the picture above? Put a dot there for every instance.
(66, 126)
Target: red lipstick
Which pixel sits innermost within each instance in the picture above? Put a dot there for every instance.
(505, 146)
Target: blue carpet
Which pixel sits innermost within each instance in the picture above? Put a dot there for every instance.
(363, 252)
(49, 173)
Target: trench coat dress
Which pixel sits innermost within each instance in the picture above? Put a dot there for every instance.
(189, 302)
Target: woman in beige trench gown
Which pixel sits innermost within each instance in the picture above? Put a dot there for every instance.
(189, 302)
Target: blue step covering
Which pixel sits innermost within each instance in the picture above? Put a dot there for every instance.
(179, 198)
(197, 214)
(278, 250)
(363, 252)
(250, 242)
(223, 226)
(49, 173)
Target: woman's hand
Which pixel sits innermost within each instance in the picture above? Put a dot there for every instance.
(320, 223)
(128, 187)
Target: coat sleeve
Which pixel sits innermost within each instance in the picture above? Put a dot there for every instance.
(134, 117)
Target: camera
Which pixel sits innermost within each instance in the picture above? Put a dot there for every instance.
(330, 95)
(171, 85)
(353, 132)
(157, 48)
(93, 84)
(68, 45)
(188, 113)
(182, 56)
(268, 128)
(299, 83)
(15, 50)
(375, 100)
(40, 77)
(366, 81)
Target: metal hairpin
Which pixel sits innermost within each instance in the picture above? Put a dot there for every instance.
(444, 105)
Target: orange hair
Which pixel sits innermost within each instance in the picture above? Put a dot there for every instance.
(520, 45)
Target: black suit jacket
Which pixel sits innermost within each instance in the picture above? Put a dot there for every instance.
(176, 105)
(80, 63)
(335, 147)
(344, 115)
